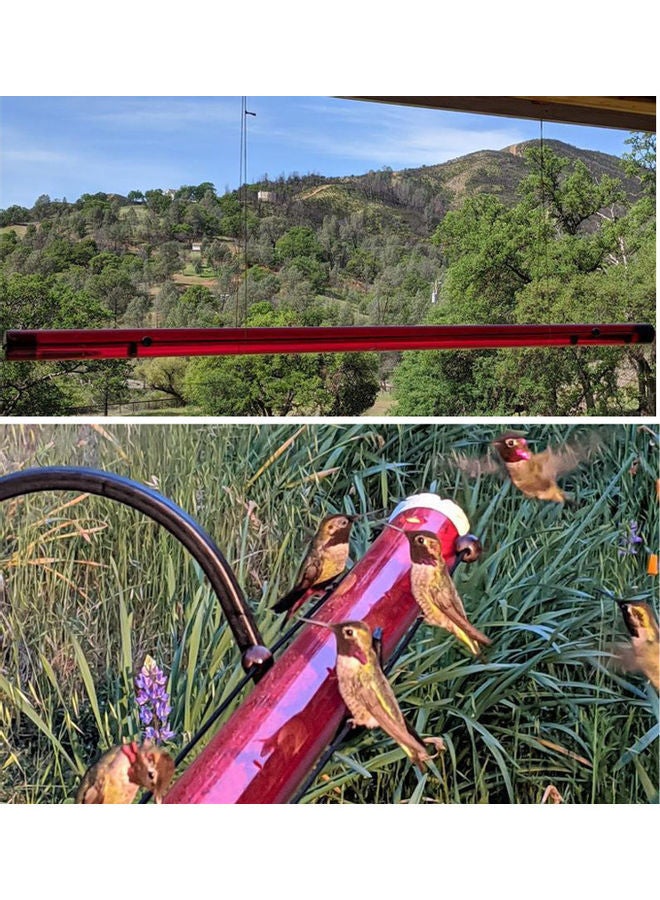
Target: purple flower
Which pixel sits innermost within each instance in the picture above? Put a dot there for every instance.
(158, 734)
(628, 542)
(163, 709)
(153, 702)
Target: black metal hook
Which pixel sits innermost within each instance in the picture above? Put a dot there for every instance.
(256, 658)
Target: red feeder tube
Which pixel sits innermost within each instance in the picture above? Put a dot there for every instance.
(269, 745)
(132, 343)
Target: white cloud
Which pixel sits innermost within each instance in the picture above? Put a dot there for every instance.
(383, 134)
(165, 113)
(407, 147)
(37, 156)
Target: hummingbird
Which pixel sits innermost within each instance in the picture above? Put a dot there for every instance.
(117, 775)
(435, 592)
(642, 654)
(551, 795)
(535, 474)
(324, 561)
(367, 693)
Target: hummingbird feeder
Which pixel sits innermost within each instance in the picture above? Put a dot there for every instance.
(137, 343)
(268, 748)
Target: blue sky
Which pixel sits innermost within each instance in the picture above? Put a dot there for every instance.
(67, 146)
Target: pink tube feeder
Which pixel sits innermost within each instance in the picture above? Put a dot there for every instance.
(267, 748)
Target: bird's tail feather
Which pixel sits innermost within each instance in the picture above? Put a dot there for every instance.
(288, 600)
(472, 638)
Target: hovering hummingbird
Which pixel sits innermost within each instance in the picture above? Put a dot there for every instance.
(535, 474)
(435, 592)
(368, 694)
(642, 654)
(117, 775)
(325, 560)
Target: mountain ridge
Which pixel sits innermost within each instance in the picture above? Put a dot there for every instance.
(424, 194)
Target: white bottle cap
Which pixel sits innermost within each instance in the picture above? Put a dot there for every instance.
(448, 508)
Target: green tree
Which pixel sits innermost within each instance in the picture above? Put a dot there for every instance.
(559, 255)
(260, 384)
(639, 162)
(165, 375)
(266, 385)
(197, 305)
(299, 241)
(352, 382)
(14, 215)
(571, 197)
(44, 388)
(166, 260)
(157, 200)
(231, 215)
(8, 243)
(314, 272)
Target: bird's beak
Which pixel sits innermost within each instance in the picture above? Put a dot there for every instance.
(394, 527)
(315, 622)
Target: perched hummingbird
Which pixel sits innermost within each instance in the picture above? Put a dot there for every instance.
(535, 474)
(642, 654)
(435, 592)
(117, 775)
(326, 558)
(367, 693)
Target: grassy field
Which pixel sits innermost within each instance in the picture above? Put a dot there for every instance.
(19, 229)
(382, 405)
(89, 587)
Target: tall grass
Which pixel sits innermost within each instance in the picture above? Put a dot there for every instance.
(90, 587)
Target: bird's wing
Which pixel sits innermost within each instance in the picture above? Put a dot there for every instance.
(463, 623)
(624, 657)
(90, 793)
(560, 460)
(449, 601)
(307, 576)
(474, 466)
(448, 597)
(378, 697)
(310, 570)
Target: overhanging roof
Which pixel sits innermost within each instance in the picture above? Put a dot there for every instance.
(627, 113)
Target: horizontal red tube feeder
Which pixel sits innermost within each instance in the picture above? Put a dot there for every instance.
(267, 748)
(131, 343)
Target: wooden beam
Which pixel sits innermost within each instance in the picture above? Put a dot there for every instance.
(626, 113)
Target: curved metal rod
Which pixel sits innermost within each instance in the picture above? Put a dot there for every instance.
(255, 657)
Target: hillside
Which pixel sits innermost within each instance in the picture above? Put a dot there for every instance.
(418, 198)
(415, 198)
(480, 238)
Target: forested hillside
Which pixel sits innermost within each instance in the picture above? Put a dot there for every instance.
(532, 233)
